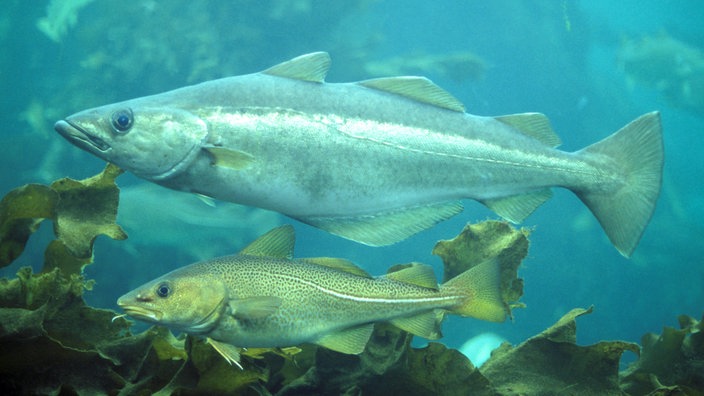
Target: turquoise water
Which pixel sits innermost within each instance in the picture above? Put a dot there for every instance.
(564, 59)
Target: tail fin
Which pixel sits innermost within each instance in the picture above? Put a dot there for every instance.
(482, 285)
(638, 149)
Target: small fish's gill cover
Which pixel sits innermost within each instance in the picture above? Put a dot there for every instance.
(181, 300)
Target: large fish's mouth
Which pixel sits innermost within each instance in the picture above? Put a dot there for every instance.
(79, 136)
(140, 313)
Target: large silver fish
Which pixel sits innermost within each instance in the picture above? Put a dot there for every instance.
(374, 161)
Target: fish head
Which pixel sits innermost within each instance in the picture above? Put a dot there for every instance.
(179, 300)
(152, 141)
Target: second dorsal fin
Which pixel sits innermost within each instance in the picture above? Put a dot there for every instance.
(338, 264)
(419, 89)
(311, 67)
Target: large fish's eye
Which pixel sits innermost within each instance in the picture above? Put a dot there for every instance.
(163, 290)
(122, 120)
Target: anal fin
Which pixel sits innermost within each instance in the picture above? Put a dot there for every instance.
(426, 324)
(515, 208)
(350, 341)
(386, 228)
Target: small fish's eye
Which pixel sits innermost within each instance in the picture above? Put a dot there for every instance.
(122, 120)
(163, 290)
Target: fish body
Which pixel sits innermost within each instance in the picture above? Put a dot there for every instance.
(263, 298)
(374, 161)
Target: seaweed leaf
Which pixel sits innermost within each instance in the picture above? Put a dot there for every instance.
(21, 212)
(551, 362)
(483, 241)
(80, 210)
(670, 363)
(86, 209)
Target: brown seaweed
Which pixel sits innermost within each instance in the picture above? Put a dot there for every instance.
(80, 210)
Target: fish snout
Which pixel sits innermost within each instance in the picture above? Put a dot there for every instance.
(74, 133)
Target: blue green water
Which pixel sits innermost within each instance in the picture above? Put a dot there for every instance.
(558, 58)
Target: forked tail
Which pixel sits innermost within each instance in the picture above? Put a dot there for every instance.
(637, 149)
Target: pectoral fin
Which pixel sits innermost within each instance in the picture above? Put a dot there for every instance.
(232, 159)
(254, 307)
(350, 341)
(230, 352)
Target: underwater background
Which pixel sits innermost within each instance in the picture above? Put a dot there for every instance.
(590, 66)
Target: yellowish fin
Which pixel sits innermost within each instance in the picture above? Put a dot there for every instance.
(350, 341)
(516, 208)
(276, 243)
(311, 67)
(482, 286)
(426, 324)
(232, 159)
(230, 352)
(255, 307)
(535, 125)
(385, 228)
(416, 88)
(338, 264)
(416, 274)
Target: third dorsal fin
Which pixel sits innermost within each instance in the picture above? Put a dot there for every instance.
(415, 274)
(419, 89)
(535, 125)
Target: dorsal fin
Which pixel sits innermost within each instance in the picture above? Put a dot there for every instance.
(275, 243)
(311, 67)
(415, 274)
(338, 264)
(416, 88)
(535, 125)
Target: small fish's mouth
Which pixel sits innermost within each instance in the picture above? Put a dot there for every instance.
(79, 136)
(143, 314)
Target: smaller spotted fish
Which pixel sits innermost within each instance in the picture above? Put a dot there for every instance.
(263, 298)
